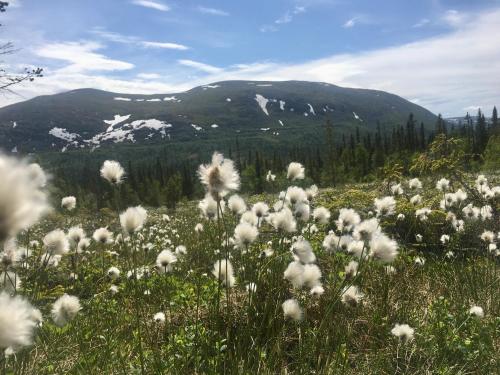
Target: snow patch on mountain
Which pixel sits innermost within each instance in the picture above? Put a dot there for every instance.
(281, 123)
(356, 116)
(122, 99)
(116, 121)
(214, 126)
(311, 109)
(117, 136)
(282, 105)
(63, 134)
(262, 101)
(126, 131)
(154, 100)
(197, 127)
(150, 124)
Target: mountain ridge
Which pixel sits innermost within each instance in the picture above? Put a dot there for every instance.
(276, 111)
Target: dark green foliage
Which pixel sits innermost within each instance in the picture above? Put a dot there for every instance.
(83, 112)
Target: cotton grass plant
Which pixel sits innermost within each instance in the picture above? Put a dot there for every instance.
(302, 281)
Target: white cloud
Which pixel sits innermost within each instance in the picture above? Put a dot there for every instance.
(287, 17)
(81, 56)
(148, 76)
(360, 19)
(212, 11)
(200, 66)
(472, 108)
(268, 28)
(350, 23)
(152, 4)
(454, 18)
(446, 73)
(164, 45)
(125, 39)
(112, 36)
(422, 23)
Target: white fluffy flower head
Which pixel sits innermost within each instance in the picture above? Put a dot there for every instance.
(403, 332)
(133, 219)
(385, 206)
(22, 202)
(415, 183)
(103, 236)
(65, 309)
(220, 176)
(245, 234)
(303, 250)
(56, 242)
(68, 203)
(351, 296)
(477, 311)
(443, 184)
(348, 219)
(295, 171)
(383, 248)
(236, 204)
(16, 322)
(283, 220)
(292, 310)
(321, 215)
(112, 172)
(223, 271)
(165, 261)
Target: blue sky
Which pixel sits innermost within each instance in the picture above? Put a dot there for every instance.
(441, 54)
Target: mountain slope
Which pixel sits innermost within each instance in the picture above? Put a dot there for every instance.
(287, 111)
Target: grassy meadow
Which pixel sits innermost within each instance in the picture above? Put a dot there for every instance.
(371, 287)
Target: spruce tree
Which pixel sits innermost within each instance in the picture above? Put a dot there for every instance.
(481, 131)
(494, 122)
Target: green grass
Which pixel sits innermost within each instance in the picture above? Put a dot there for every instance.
(212, 330)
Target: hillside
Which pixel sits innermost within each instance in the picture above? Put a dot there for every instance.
(268, 112)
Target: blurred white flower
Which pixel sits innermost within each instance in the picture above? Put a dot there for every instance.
(321, 215)
(385, 206)
(65, 309)
(68, 203)
(477, 311)
(17, 322)
(133, 219)
(292, 310)
(351, 296)
(22, 203)
(56, 242)
(223, 271)
(403, 332)
(112, 172)
(295, 171)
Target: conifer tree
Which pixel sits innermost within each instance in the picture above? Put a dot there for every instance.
(494, 122)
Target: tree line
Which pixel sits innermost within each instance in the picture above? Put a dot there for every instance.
(341, 158)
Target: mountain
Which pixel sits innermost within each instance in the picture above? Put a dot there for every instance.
(264, 112)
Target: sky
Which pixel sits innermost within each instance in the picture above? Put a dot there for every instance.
(441, 54)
